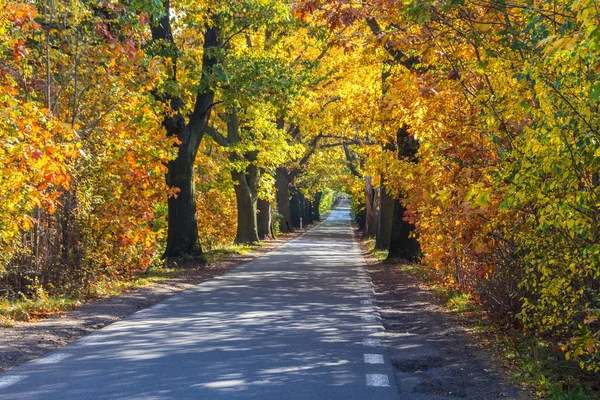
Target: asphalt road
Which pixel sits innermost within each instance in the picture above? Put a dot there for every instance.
(297, 323)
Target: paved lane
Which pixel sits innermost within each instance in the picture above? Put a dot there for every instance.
(297, 323)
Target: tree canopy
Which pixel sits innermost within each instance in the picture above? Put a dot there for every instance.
(466, 132)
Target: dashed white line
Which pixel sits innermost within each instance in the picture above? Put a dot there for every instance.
(53, 358)
(379, 380)
(6, 381)
(371, 342)
(373, 358)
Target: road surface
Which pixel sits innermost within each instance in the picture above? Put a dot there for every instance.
(297, 323)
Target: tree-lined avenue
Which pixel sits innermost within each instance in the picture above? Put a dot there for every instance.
(295, 324)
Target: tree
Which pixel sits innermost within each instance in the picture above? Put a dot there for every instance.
(182, 236)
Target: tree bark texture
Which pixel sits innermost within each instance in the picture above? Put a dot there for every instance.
(370, 228)
(305, 210)
(246, 185)
(316, 213)
(386, 213)
(264, 220)
(283, 200)
(245, 194)
(182, 237)
(402, 245)
(295, 208)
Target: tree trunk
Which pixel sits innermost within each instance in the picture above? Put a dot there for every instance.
(283, 200)
(182, 228)
(295, 209)
(264, 220)
(386, 213)
(370, 229)
(401, 244)
(360, 218)
(246, 185)
(304, 209)
(316, 213)
(247, 227)
(182, 237)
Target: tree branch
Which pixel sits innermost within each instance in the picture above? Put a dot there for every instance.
(311, 149)
(217, 137)
(398, 55)
(350, 159)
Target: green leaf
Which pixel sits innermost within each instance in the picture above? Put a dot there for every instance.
(595, 92)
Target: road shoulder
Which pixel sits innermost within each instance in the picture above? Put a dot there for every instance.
(433, 356)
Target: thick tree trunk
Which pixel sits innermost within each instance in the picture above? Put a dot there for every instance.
(283, 200)
(386, 202)
(182, 237)
(370, 229)
(247, 227)
(360, 219)
(304, 209)
(386, 213)
(264, 220)
(295, 209)
(401, 244)
(316, 213)
(182, 229)
(246, 185)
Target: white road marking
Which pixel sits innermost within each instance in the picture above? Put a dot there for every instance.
(367, 302)
(371, 342)
(379, 380)
(52, 358)
(6, 381)
(373, 358)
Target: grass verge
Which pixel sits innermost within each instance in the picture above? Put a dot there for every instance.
(228, 251)
(380, 255)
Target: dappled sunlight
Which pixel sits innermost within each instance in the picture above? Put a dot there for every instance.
(281, 320)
